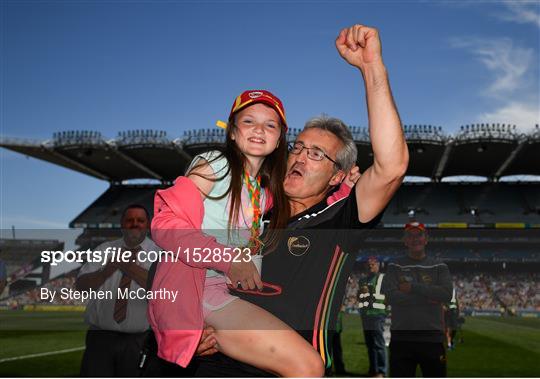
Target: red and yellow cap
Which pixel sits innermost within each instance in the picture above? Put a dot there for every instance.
(251, 97)
(415, 225)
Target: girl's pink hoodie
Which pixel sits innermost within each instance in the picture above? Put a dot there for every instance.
(176, 227)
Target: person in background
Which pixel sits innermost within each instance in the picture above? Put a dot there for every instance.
(373, 312)
(117, 327)
(416, 287)
(451, 316)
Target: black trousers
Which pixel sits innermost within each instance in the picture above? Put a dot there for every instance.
(405, 356)
(337, 353)
(220, 365)
(112, 354)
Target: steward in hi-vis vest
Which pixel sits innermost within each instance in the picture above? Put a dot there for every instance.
(373, 311)
(371, 299)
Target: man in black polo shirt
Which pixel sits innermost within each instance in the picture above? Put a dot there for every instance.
(317, 251)
(416, 287)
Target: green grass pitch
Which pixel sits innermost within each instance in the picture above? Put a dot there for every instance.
(493, 347)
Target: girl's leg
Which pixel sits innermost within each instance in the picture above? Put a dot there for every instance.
(252, 335)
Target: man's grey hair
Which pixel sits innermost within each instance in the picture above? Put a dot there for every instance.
(346, 156)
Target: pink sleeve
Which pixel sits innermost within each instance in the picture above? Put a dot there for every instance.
(269, 200)
(177, 222)
(343, 191)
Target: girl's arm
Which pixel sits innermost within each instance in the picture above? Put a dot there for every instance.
(176, 227)
(346, 186)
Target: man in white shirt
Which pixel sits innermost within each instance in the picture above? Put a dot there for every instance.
(117, 326)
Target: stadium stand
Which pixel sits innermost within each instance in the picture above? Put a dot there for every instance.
(32, 296)
(22, 259)
(459, 254)
(432, 203)
(503, 292)
(466, 202)
(104, 213)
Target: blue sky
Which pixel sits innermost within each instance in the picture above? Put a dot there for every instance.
(175, 65)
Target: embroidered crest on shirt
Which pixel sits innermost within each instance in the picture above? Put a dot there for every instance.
(298, 245)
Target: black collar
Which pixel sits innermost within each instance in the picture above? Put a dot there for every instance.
(313, 209)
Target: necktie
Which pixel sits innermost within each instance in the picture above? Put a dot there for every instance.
(120, 306)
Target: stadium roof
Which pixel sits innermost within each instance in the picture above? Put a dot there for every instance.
(488, 150)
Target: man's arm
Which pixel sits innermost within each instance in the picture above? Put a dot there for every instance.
(442, 291)
(135, 272)
(360, 46)
(94, 280)
(395, 296)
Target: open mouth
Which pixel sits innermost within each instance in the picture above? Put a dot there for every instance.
(295, 171)
(257, 140)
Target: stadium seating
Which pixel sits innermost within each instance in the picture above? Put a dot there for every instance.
(105, 212)
(468, 203)
(431, 203)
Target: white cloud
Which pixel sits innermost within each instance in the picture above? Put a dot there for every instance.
(509, 63)
(522, 12)
(524, 115)
(513, 88)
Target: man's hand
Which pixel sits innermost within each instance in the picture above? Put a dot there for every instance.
(208, 342)
(359, 45)
(245, 274)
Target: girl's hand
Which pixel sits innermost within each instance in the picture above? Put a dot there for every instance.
(353, 176)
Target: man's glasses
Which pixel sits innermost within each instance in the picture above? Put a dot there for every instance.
(313, 153)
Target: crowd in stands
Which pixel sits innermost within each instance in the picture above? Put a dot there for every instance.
(352, 290)
(507, 291)
(517, 291)
(33, 296)
(473, 292)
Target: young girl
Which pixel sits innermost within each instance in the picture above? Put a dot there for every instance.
(236, 187)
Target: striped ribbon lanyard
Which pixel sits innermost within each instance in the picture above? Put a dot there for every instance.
(254, 190)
